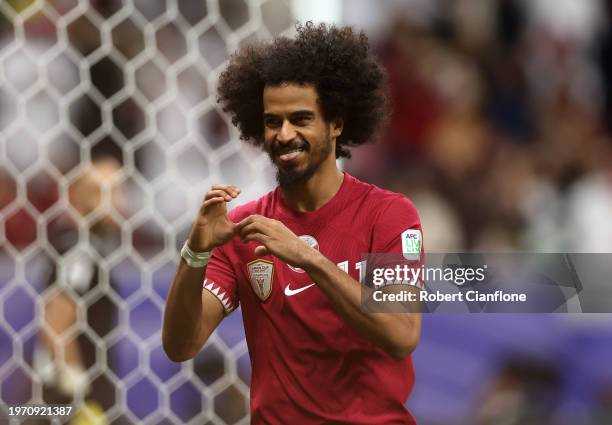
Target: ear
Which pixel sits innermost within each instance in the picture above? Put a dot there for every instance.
(336, 125)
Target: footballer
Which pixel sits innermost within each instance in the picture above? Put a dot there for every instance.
(291, 259)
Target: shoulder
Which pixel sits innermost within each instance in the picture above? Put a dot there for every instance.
(397, 212)
(385, 204)
(395, 204)
(395, 222)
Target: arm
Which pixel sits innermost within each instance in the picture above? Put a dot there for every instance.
(192, 314)
(396, 333)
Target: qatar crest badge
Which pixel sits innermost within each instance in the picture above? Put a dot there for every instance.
(261, 275)
(312, 242)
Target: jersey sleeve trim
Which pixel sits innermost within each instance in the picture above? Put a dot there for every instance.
(220, 294)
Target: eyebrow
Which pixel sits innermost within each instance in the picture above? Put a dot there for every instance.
(296, 114)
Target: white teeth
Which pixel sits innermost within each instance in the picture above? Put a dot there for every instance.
(293, 150)
(289, 156)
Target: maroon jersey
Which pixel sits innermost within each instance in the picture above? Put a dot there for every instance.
(308, 365)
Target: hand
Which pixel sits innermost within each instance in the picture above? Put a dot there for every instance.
(276, 239)
(212, 227)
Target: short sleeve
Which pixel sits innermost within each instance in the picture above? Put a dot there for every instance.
(397, 230)
(220, 279)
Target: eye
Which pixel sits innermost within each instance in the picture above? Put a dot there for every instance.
(301, 120)
(272, 122)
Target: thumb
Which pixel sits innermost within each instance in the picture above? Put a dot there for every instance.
(261, 251)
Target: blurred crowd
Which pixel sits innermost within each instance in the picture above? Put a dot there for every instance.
(502, 112)
(527, 391)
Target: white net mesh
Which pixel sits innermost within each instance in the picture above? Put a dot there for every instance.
(135, 80)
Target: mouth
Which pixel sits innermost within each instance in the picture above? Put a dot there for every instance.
(291, 154)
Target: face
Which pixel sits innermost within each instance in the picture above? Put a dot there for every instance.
(296, 136)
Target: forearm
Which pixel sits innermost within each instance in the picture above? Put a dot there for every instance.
(396, 333)
(192, 314)
(182, 326)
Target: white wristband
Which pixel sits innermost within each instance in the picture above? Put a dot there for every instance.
(195, 259)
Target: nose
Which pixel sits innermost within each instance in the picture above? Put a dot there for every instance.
(287, 132)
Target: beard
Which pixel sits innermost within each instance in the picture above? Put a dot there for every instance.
(292, 177)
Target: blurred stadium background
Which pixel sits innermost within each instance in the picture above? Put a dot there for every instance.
(500, 134)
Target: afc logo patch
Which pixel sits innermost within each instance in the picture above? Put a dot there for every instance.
(261, 275)
(411, 244)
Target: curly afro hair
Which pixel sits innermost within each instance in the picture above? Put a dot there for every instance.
(349, 81)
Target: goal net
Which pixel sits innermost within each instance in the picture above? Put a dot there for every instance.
(86, 259)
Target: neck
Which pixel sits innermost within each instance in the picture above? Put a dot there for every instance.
(316, 191)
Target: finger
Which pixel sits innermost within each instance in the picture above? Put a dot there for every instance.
(245, 222)
(252, 228)
(261, 251)
(220, 186)
(212, 201)
(230, 189)
(257, 237)
(216, 193)
(255, 218)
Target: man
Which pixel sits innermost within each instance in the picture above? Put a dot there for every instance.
(292, 258)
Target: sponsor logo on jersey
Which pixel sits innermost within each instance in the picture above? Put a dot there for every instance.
(261, 275)
(411, 244)
(312, 242)
(290, 292)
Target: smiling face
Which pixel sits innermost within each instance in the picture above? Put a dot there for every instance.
(296, 136)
